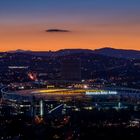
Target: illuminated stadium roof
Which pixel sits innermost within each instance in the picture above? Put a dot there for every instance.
(68, 94)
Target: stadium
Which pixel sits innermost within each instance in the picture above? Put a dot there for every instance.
(115, 94)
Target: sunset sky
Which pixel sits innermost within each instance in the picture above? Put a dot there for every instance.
(91, 23)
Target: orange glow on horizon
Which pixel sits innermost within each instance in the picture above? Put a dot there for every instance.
(34, 38)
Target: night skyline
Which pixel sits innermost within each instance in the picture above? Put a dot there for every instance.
(91, 24)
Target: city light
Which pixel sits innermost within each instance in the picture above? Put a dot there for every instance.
(85, 86)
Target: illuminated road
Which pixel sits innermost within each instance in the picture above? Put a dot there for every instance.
(56, 108)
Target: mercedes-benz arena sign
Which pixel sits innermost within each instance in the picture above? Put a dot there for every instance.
(101, 93)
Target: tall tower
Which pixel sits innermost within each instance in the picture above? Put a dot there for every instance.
(33, 107)
(71, 69)
(41, 108)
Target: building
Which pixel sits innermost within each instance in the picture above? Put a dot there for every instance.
(71, 69)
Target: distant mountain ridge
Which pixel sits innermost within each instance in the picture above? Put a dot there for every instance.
(111, 52)
(119, 53)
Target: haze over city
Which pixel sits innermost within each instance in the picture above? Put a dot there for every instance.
(43, 25)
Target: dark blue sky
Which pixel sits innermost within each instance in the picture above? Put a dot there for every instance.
(65, 8)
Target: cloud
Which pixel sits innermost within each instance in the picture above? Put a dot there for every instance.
(57, 30)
